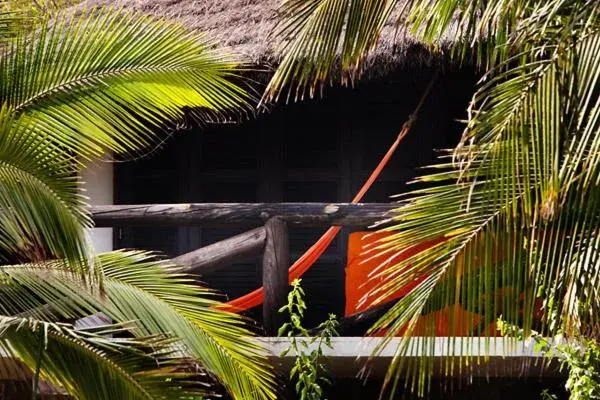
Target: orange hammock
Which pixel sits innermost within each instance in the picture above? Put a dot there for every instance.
(302, 265)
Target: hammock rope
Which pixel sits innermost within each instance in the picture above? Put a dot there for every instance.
(307, 260)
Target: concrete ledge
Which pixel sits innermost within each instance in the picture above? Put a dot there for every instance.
(498, 357)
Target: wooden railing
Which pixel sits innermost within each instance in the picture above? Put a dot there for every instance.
(269, 236)
(241, 214)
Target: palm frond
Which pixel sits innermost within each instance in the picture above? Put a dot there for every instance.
(89, 364)
(150, 293)
(109, 81)
(316, 33)
(9, 23)
(75, 88)
(80, 86)
(324, 36)
(43, 211)
(509, 227)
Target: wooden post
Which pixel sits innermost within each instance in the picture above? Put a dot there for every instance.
(275, 273)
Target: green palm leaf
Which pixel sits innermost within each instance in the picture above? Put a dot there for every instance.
(108, 80)
(91, 365)
(8, 24)
(515, 214)
(316, 33)
(43, 211)
(76, 88)
(509, 226)
(157, 300)
(81, 86)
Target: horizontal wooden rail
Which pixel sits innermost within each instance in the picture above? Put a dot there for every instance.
(241, 214)
(239, 248)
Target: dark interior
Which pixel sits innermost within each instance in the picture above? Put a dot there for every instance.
(493, 388)
(317, 150)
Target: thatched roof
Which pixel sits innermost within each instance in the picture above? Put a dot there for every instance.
(245, 27)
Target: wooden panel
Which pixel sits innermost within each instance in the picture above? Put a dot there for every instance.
(228, 148)
(310, 136)
(382, 191)
(302, 238)
(161, 239)
(227, 192)
(310, 191)
(238, 278)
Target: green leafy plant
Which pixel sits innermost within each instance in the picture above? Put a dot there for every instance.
(581, 359)
(309, 371)
(72, 89)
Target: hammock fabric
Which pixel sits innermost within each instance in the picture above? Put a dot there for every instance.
(302, 265)
(449, 321)
(365, 261)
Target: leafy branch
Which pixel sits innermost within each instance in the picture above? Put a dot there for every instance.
(308, 371)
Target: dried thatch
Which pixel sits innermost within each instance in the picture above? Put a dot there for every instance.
(245, 26)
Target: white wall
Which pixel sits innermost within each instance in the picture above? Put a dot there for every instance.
(98, 186)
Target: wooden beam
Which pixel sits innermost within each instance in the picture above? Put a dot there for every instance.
(241, 214)
(239, 248)
(276, 260)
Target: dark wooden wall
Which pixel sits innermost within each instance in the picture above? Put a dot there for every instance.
(318, 150)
